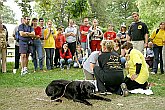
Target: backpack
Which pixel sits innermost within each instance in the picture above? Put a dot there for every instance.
(17, 35)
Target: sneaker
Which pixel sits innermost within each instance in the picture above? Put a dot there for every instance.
(68, 66)
(153, 72)
(14, 71)
(124, 90)
(23, 73)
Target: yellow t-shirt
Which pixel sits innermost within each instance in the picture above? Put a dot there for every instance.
(50, 42)
(158, 38)
(137, 57)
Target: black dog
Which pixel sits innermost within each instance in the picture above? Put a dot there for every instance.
(78, 91)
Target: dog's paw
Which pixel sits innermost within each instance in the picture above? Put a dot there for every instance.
(89, 104)
(59, 100)
(109, 100)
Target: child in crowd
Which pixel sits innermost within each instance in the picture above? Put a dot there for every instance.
(79, 57)
(66, 56)
(59, 41)
(149, 55)
(110, 34)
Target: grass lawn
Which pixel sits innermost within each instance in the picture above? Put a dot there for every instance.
(20, 92)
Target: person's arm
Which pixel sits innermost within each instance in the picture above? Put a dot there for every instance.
(62, 55)
(138, 68)
(146, 40)
(67, 34)
(70, 54)
(92, 66)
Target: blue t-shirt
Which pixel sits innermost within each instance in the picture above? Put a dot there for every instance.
(25, 28)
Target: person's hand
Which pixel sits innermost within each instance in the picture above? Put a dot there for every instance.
(146, 45)
(126, 65)
(65, 49)
(134, 76)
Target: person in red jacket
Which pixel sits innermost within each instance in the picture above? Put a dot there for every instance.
(65, 56)
(59, 41)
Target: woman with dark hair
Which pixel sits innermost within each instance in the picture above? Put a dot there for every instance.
(65, 56)
(117, 48)
(109, 74)
(137, 68)
(157, 38)
(122, 34)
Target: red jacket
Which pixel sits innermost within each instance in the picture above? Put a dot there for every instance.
(65, 55)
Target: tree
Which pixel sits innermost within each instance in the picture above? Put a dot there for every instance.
(25, 7)
(7, 15)
(120, 11)
(152, 12)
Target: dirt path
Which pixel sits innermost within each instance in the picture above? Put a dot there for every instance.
(25, 99)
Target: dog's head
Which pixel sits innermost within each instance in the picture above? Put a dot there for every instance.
(87, 88)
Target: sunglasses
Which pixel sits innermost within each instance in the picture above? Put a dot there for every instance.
(27, 19)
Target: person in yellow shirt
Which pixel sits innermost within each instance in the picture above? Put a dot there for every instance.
(136, 65)
(158, 38)
(49, 44)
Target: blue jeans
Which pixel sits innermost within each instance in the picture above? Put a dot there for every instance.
(157, 57)
(49, 58)
(37, 47)
(83, 45)
(65, 61)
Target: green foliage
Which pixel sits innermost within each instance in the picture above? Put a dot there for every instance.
(7, 15)
(120, 11)
(152, 12)
(25, 7)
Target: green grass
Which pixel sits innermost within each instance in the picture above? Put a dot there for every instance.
(39, 79)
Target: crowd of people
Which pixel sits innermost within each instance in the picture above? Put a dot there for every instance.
(101, 55)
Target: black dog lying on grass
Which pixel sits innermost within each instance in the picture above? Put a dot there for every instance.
(78, 91)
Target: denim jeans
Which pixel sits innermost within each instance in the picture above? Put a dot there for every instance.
(157, 58)
(65, 61)
(49, 58)
(83, 45)
(37, 47)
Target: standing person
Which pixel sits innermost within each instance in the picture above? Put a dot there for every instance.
(17, 54)
(138, 33)
(109, 74)
(70, 34)
(37, 47)
(158, 37)
(122, 34)
(49, 44)
(65, 56)
(3, 47)
(95, 36)
(25, 43)
(136, 65)
(41, 22)
(84, 31)
(59, 41)
(110, 34)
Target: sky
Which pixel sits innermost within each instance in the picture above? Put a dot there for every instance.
(15, 9)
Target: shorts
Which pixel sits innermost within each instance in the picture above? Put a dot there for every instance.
(24, 48)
